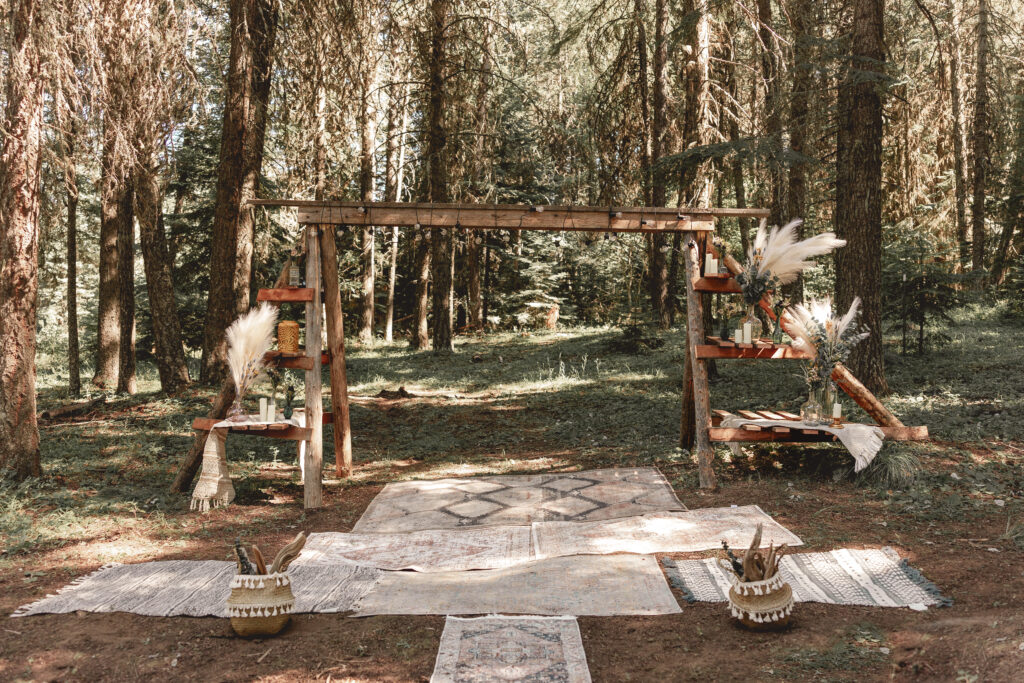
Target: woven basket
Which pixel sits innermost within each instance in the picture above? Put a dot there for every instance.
(288, 336)
(761, 605)
(260, 605)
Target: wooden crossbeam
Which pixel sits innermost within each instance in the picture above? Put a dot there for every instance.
(511, 217)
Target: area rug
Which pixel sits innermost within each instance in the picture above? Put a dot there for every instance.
(425, 551)
(877, 578)
(508, 500)
(197, 589)
(585, 585)
(537, 649)
(660, 532)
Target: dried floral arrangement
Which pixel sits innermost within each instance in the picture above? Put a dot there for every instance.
(758, 596)
(777, 257)
(252, 563)
(248, 339)
(816, 330)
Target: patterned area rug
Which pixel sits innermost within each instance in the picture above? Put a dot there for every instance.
(197, 589)
(538, 649)
(424, 551)
(877, 578)
(510, 500)
(585, 585)
(660, 532)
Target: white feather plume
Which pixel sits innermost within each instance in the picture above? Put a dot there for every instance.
(778, 253)
(249, 338)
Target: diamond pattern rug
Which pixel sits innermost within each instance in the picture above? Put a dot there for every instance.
(510, 500)
(538, 649)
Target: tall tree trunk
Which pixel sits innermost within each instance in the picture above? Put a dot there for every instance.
(366, 241)
(442, 241)
(253, 28)
(736, 165)
(395, 181)
(475, 238)
(959, 172)
(71, 187)
(19, 242)
(421, 332)
(773, 118)
(1015, 203)
(980, 136)
(169, 350)
(658, 243)
(126, 290)
(858, 213)
(108, 318)
(801, 18)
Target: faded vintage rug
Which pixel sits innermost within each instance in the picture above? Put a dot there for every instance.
(583, 585)
(197, 589)
(510, 500)
(435, 550)
(660, 532)
(877, 578)
(537, 649)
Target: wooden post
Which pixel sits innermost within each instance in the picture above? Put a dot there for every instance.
(313, 462)
(687, 421)
(336, 343)
(699, 371)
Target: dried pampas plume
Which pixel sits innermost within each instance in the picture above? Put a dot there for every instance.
(249, 338)
(779, 255)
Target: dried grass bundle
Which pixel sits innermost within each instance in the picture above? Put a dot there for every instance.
(776, 258)
(817, 331)
(249, 338)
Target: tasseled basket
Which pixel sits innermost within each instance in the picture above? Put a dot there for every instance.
(260, 604)
(288, 336)
(761, 605)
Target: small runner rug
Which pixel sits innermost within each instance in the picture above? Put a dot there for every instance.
(660, 532)
(537, 649)
(510, 500)
(584, 585)
(425, 551)
(197, 589)
(877, 578)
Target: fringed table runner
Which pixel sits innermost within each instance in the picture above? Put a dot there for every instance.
(486, 649)
(197, 589)
(876, 578)
(861, 440)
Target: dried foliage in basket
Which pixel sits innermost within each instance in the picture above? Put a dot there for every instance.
(758, 598)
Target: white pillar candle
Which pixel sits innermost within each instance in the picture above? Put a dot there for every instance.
(837, 410)
(263, 410)
(713, 267)
(708, 260)
(738, 336)
(272, 411)
(747, 334)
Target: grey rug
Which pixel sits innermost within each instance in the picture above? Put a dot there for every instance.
(536, 649)
(877, 578)
(426, 551)
(511, 500)
(660, 532)
(197, 589)
(596, 585)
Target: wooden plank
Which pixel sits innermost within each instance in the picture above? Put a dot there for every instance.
(312, 473)
(293, 361)
(699, 371)
(717, 284)
(722, 434)
(730, 350)
(286, 294)
(339, 414)
(280, 430)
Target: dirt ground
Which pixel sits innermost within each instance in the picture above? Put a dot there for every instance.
(979, 638)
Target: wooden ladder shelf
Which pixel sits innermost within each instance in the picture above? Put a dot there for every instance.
(701, 425)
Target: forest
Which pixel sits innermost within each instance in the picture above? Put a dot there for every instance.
(143, 145)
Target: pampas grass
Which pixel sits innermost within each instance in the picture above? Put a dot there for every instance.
(249, 338)
(815, 330)
(777, 253)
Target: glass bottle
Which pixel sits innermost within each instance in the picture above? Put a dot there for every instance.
(756, 328)
(811, 410)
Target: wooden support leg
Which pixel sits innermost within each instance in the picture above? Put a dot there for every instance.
(699, 372)
(336, 341)
(687, 423)
(312, 485)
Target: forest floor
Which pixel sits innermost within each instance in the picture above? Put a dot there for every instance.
(551, 401)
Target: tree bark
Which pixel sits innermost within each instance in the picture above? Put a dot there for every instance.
(442, 243)
(19, 242)
(474, 239)
(395, 180)
(108, 318)
(169, 350)
(773, 119)
(658, 243)
(801, 19)
(126, 291)
(71, 187)
(421, 332)
(980, 137)
(1015, 203)
(253, 26)
(858, 213)
(366, 241)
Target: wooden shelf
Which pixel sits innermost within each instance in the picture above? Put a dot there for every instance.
(277, 430)
(294, 361)
(717, 347)
(718, 284)
(795, 434)
(286, 295)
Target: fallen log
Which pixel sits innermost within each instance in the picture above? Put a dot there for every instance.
(72, 409)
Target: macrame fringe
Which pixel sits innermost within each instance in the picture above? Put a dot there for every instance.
(260, 580)
(757, 587)
(766, 617)
(675, 579)
(930, 588)
(24, 610)
(251, 611)
(207, 504)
